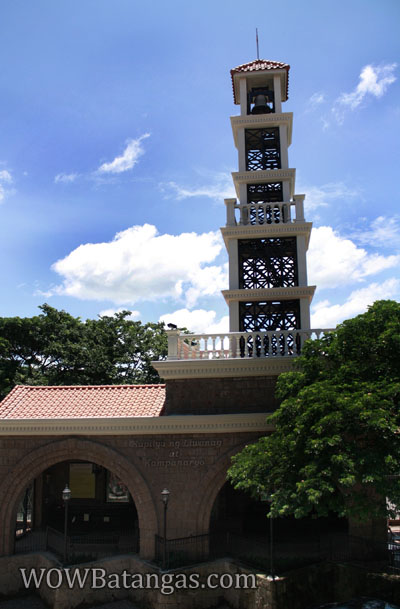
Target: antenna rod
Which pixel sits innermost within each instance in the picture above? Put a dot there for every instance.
(258, 51)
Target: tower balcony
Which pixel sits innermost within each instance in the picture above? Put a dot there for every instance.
(239, 345)
(265, 213)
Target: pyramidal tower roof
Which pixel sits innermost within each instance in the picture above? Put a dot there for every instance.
(260, 65)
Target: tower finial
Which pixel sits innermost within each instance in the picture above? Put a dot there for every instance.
(258, 51)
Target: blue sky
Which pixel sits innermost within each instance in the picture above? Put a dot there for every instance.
(116, 151)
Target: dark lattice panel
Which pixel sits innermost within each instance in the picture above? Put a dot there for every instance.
(269, 315)
(262, 149)
(271, 192)
(265, 193)
(267, 263)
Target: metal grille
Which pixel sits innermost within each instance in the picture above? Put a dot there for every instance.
(262, 149)
(269, 315)
(271, 192)
(267, 263)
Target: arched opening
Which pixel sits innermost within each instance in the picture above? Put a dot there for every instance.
(101, 517)
(239, 526)
(40, 460)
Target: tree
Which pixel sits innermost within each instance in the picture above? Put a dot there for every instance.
(55, 348)
(336, 444)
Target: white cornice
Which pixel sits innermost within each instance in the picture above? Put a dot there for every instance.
(223, 368)
(250, 121)
(258, 231)
(270, 294)
(218, 423)
(271, 175)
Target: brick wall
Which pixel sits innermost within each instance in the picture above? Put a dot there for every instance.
(221, 395)
(192, 466)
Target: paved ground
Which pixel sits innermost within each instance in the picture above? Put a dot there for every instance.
(34, 602)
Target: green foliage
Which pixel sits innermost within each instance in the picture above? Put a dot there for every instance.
(336, 446)
(55, 348)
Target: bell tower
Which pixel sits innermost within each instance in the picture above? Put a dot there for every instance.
(266, 234)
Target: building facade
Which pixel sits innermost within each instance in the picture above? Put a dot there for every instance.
(118, 447)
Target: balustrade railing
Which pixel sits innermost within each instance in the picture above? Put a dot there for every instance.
(232, 345)
(264, 212)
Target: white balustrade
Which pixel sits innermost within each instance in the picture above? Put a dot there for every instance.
(232, 345)
(264, 213)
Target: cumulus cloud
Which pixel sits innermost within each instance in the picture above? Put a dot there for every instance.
(127, 159)
(327, 315)
(65, 178)
(5, 178)
(111, 312)
(334, 261)
(218, 186)
(140, 264)
(198, 321)
(373, 81)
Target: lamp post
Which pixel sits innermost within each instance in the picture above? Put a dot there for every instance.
(165, 498)
(66, 495)
(268, 499)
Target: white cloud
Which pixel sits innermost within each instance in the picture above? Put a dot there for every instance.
(198, 321)
(139, 264)
(65, 178)
(322, 196)
(374, 80)
(128, 158)
(5, 178)
(326, 315)
(219, 186)
(315, 100)
(334, 261)
(111, 312)
(383, 231)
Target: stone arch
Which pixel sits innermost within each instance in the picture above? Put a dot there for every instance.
(213, 483)
(39, 459)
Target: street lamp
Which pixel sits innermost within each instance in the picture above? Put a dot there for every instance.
(66, 495)
(268, 499)
(165, 499)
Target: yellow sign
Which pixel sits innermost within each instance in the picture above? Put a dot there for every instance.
(82, 481)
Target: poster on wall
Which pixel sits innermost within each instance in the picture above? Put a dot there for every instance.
(117, 491)
(82, 481)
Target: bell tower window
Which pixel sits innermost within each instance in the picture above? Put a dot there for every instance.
(269, 315)
(267, 263)
(262, 149)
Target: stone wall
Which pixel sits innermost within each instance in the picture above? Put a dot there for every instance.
(301, 589)
(221, 395)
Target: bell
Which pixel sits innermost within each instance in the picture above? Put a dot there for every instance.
(260, 105)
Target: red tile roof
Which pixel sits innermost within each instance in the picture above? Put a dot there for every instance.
(80, 402)
(258, 65)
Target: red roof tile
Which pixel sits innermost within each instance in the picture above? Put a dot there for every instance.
(258, 65)
(80, 402)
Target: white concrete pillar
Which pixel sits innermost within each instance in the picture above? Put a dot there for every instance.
(241, 149)
(305, 322)
(301, 260)
(277, 94)
(283, 146)
(234, 316)
(230, 212)
(299, 202)
(243, 96)
(286, 190)
(243, 194)
(233, 256)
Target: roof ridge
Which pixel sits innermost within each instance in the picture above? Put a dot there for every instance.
(85, 386)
